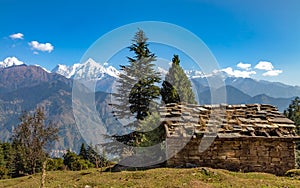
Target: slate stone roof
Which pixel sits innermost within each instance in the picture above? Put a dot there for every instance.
(244, 120)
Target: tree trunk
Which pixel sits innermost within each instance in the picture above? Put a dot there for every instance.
(43, 174)
(33, 168)
(97, 163)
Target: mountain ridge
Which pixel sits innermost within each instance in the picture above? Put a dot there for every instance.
(247, 85)
(89, 69)
(24, 87)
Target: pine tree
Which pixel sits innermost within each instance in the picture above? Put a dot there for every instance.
(83, 152)
(95, 158)
(2, 158)
(3, 169)
(137, 87)
(177, 87)
(169, 93)
(293, 113)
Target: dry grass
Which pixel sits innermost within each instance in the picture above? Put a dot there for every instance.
(161, 177)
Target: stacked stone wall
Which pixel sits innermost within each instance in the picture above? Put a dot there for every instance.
(252, 154)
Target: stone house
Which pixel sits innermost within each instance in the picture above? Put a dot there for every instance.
(247, 138)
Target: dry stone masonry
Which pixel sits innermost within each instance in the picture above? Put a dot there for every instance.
(244, 138)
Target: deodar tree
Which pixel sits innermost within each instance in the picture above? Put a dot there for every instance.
(137, 87)
(176, 86)
(293, 113)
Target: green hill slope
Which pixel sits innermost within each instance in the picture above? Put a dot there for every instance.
(161, 177)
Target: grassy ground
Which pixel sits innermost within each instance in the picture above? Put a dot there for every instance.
(161, 177)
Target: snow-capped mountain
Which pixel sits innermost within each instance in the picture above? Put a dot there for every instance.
(90, 70)
(10, 61)
(42, 68)
(190, 73)
(63, 70)
(194, 74)
(162, 71)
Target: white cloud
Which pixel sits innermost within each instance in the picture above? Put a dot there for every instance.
(44, 47)
(272, 73)
(269, 68)
(244, 66)
(264, 65)
(35, 53)
(238, 73)
(16, 36)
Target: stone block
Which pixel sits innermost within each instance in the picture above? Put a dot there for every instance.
(194, 158)
(243, 158)
(253, 152)
(234, 160)
(193, 152)
(263, 153)
(275, 154)
(251, 160)
(275, 160)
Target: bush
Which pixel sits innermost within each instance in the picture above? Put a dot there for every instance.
(55, 164)
(3, 172)
(75, 162)
(80, 164)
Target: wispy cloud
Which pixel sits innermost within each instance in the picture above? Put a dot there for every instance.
(44, 47)
(244, 66)
(238, 73)
(16, 36)
(272, 73)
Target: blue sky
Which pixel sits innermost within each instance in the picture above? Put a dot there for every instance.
(245, 31)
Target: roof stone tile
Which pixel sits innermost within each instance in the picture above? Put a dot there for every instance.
(227, 120)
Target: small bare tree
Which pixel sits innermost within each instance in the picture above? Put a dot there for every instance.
(33, 137)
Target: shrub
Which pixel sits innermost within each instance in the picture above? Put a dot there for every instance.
(3, 172)
(75, 162)
(55, 164)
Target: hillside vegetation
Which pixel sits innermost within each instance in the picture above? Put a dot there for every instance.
(160, 177)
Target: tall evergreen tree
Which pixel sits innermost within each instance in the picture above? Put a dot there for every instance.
(9, 157)
(95, 158)
(293, 113)
(2, 161)
(177, 87)
(83, 152)
(137, 87)
(169, 93)
(3, 169)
